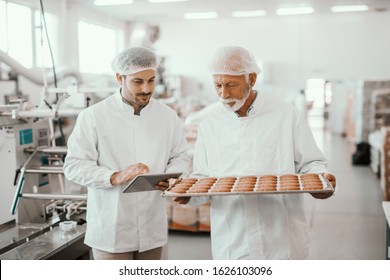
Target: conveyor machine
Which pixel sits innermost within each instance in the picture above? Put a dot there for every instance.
(36, 198)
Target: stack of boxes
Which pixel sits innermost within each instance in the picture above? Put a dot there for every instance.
(380, 117)
(380, 108)
(375, 140)
(385, 163)
(366, 106)
(204, 217)
(188, 218)
(183, 217)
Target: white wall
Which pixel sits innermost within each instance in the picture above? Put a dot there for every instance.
(291, 49)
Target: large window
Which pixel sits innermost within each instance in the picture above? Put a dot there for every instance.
(23, 37)
(21, 33)
(319, 94)
(3, 27)
(42, 51)
(97, 47)
(16, 34)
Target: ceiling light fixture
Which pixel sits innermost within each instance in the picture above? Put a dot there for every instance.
(166, 1)
(294, 11)
(255, 13)
(205, 15)
(353, 8)
(112, 2)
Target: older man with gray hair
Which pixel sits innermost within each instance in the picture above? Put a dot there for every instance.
(113, 141)
(254, 134)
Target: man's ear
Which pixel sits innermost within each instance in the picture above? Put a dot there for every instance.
(252, 79)
(119, 78)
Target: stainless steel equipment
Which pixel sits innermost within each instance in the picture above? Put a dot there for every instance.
(36, 197)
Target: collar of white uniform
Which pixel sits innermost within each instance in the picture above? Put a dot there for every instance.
(255, 106)
(127, 106)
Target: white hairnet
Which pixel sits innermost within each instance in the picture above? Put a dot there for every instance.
(233, 60)
(134, 60)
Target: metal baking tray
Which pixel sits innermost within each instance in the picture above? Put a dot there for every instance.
(326, 188)
(146, 182)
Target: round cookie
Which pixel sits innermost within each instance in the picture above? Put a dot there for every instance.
(247, 180)
(181, 186)
(289, 182)
(289, 188)
(286, 182)
(198, 191)
(288, 176)
(265, 189)
(226, 184)
(271, 177)
(200, 187)
(311, 184)
(245, 183)
(207, 179)
(248, 177)
(260, 186)
(203, 184)
(188, 180)
(227, 179)
(178, 190)
(220, 189)
(309, 176)
(311, 180)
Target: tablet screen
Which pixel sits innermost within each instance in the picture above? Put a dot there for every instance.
(146, 182)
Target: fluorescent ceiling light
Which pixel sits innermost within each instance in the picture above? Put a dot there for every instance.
(205, 15)
(354, 8)
(294, 11)
(255, 13)
(166, 1)
(112, 2)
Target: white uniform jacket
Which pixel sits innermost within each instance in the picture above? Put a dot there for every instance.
(273, 139)
(108, 137)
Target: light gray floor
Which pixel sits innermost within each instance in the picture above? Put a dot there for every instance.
(347, 226)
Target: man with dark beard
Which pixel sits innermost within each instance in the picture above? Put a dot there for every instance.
(113, 141)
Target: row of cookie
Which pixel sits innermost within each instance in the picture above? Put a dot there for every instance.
(225, 188)
(252, 180)
(265, 183)
(285, 177)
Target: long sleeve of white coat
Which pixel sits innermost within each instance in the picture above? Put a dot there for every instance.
(81, 165)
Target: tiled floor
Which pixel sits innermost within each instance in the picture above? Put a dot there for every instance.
(349, 225)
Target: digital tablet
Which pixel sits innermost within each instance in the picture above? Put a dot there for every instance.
(146, 182)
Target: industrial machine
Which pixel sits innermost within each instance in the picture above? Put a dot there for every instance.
(35, 196)
(42, 215)
(37, 203)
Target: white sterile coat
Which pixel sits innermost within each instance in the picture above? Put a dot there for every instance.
(108, 137)
(273, 139)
